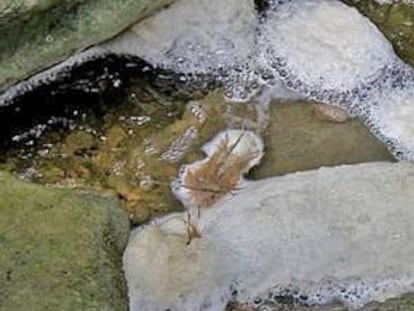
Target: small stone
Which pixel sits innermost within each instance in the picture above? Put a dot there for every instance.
(330, 113)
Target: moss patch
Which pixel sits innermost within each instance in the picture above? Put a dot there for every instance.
(60, 250)
(43, 32)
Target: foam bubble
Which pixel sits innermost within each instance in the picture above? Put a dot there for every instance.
(310, 47)
(313, 44)
(193, 36)
(391, 117)
(351, 292)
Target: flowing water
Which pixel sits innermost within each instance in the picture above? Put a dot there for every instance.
(295, 51)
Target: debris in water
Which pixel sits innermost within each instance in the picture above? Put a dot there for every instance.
(230, 154)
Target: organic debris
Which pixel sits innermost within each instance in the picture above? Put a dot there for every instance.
(201, 184)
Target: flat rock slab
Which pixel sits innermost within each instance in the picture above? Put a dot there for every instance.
(37, 34)
(333, 234)
(60, 250)
(297, 140)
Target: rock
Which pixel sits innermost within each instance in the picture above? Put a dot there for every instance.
(231, 29)
(222, 31)
(395, 20)
(338, 234)
(60, 250)
(298, 45)
(296, 140)
(38, 34)
(309, 55)
(330, 113)
(17, 11)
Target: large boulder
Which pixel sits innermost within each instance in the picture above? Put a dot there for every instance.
(37, 34)
(333, 234)
(60, 250)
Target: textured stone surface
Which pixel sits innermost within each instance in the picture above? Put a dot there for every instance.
(207, 34)
(396, 21)
(334, 234)
(38, 34)
(60, 250)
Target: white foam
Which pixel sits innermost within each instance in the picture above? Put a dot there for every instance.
(313, 49)
(391, 117)
(50, 74)
(324, 44)
(334, 234)
(352, 292)
(193, 36)
(337, 233)
(325, 50)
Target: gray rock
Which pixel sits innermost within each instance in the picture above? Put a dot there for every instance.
(333, 234)
(60, 250)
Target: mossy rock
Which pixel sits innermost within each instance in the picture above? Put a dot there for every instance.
(60, 249)
(37, 34)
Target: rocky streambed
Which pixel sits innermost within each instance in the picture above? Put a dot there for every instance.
(113, 132)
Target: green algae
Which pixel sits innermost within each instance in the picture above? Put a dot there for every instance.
(60, 249)
(128, 149)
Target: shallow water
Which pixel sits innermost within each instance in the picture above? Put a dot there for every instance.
(296, 140)
(136, 149)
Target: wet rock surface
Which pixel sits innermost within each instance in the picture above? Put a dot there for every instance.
(38, 34)
(60, 249)
(395, 20)
(333, 234)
